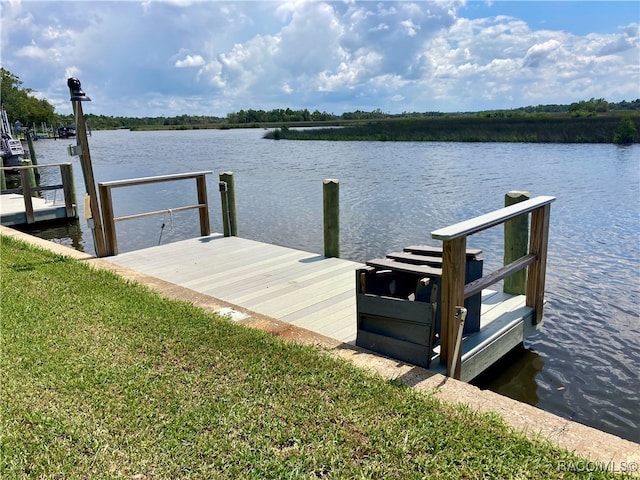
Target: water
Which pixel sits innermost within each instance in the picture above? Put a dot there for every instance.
(582, 364)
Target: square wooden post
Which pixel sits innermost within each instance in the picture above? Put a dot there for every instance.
(516, 243)
(453, 278)
(537, 270)
(201, 186)
(111, 239)
(66, 173)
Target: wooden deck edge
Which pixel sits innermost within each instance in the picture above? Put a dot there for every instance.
(13, 210)
(588, 442)
(50, 214)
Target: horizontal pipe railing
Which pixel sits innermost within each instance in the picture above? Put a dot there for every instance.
(109, 219)
(130, 182)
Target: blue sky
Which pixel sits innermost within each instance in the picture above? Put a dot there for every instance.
(174, 57)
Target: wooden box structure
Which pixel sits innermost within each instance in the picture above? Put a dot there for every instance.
(399, 306)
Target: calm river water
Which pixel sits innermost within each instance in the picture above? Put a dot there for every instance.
(584, 364)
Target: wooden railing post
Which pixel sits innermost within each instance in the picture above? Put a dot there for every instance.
(108, 221)
(454, 291)
(516, 243)
(30, 178)
(453, 277)
(228, 201)
(26, 194)
(68, 189)
(201, 186)
(331, 216)
(538, 242)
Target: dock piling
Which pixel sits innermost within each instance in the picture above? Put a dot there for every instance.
(69, 190)
(32, 153)
(516, 243)
(29, 178)
(331, 214)
(228, 201)
(77, 97)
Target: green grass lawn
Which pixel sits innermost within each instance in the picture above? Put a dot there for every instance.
(102, 378)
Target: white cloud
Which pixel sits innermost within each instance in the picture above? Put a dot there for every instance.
(190, 61)
(540, 52)
(412, 29)
(328, 55)
(32, 51)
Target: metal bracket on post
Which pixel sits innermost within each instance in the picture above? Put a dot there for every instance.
(73, 150)
(228, 204)
(226, 215)
(460, 316)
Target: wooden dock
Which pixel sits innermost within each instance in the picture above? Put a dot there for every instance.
(13, 211)
(23, 205)
(310, 291)
(321, 293)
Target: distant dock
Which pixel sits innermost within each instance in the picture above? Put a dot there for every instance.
(14, 213)
(22, 205)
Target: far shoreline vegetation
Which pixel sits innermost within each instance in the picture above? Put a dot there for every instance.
(590, 121)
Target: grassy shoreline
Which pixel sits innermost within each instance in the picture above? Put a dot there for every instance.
(103, 378)
(533, 128)
(527, 129)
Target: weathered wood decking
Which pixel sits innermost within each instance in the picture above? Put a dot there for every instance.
(13, 211)
(308, 290)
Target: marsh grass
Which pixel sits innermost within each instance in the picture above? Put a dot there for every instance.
(102, 378)
(469, 128)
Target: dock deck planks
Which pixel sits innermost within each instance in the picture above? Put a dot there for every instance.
(302, 288)
(307, 290)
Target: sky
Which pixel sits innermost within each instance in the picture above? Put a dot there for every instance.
(174, 57)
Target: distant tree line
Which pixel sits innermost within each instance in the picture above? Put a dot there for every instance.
(21, 104)
(278, 115)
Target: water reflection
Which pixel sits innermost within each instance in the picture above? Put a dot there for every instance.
(69, 234)
(514, 376)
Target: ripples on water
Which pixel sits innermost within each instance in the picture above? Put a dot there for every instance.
(582, 364)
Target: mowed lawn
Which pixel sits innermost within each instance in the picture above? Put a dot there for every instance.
(103, 378)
